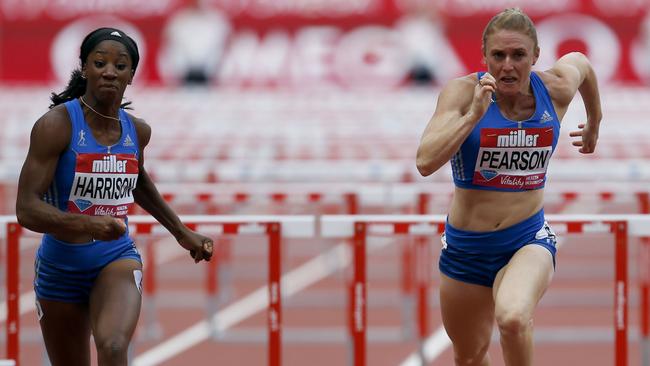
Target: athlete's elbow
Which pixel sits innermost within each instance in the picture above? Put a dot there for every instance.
(576, 57)
(430, 156)
(424, 171)
(23, 216)
(26, 215)
(425, 167)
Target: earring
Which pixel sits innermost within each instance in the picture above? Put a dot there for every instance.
(83, 76)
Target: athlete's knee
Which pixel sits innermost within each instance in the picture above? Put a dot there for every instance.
(513, 322)
(475, 357)
(113, 349)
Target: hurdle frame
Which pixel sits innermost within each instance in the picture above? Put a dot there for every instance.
(360, 226)
(357, 228)
(410, 197)
(274, 227)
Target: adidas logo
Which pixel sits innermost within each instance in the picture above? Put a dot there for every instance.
(116, 34)
(546, 117)
(127, 141)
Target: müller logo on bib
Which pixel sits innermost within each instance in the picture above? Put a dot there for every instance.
(513, 158)
(103, 184)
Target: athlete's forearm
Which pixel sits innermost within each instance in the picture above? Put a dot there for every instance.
(591, 97)
(42, 217)
(442, 141)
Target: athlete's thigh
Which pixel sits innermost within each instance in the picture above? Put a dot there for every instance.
(66, 332)
(522, 282)
(115, 300)
(467, 313)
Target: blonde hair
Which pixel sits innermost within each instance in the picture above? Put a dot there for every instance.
(513, 19)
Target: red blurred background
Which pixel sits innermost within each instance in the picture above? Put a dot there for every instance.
(343, 42)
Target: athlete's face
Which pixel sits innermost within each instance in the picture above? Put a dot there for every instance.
(108, 71)
(510, 56)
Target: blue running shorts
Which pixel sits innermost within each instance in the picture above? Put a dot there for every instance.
(66, 272)
(476, 257)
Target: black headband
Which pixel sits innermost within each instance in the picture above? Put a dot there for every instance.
(103, 34)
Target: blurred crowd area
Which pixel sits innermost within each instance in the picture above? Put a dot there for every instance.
(316, 91)
(207, 140)
(301, 44)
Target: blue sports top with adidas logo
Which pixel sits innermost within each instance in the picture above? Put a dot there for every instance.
(94, 179)
(504, 155)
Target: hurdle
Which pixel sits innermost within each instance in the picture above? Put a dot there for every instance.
(210, 199)
(416, 198)
(603, 193)
(273, 227)
(356, 228)
(644, 284)
(12, 234)
(359, 227)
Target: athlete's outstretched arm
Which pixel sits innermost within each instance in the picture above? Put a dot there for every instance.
(147, 196)
(461, 104)
(49, 138)
(575, 73)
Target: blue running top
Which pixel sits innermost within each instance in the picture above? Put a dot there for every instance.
(504, 155)
(93, 179)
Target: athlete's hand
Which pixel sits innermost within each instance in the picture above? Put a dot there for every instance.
(199, 246)
(483, 93)
(588, 137)
(106, 227)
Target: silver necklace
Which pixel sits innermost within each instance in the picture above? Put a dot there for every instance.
(91, 108)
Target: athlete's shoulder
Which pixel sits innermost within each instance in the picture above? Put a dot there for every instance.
(458, 93)
(56, 113)
(56, 121)
(548, 77)
(557, 86)
(465, 81)
(52, 130)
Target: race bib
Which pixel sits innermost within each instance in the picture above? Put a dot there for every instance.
(513, 158)
(103, 184)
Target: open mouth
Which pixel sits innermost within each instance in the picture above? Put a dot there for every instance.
(508, 80)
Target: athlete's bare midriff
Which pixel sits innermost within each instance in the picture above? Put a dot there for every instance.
(477, 210)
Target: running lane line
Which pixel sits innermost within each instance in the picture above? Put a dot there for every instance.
(434, 345)
(293, 282)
